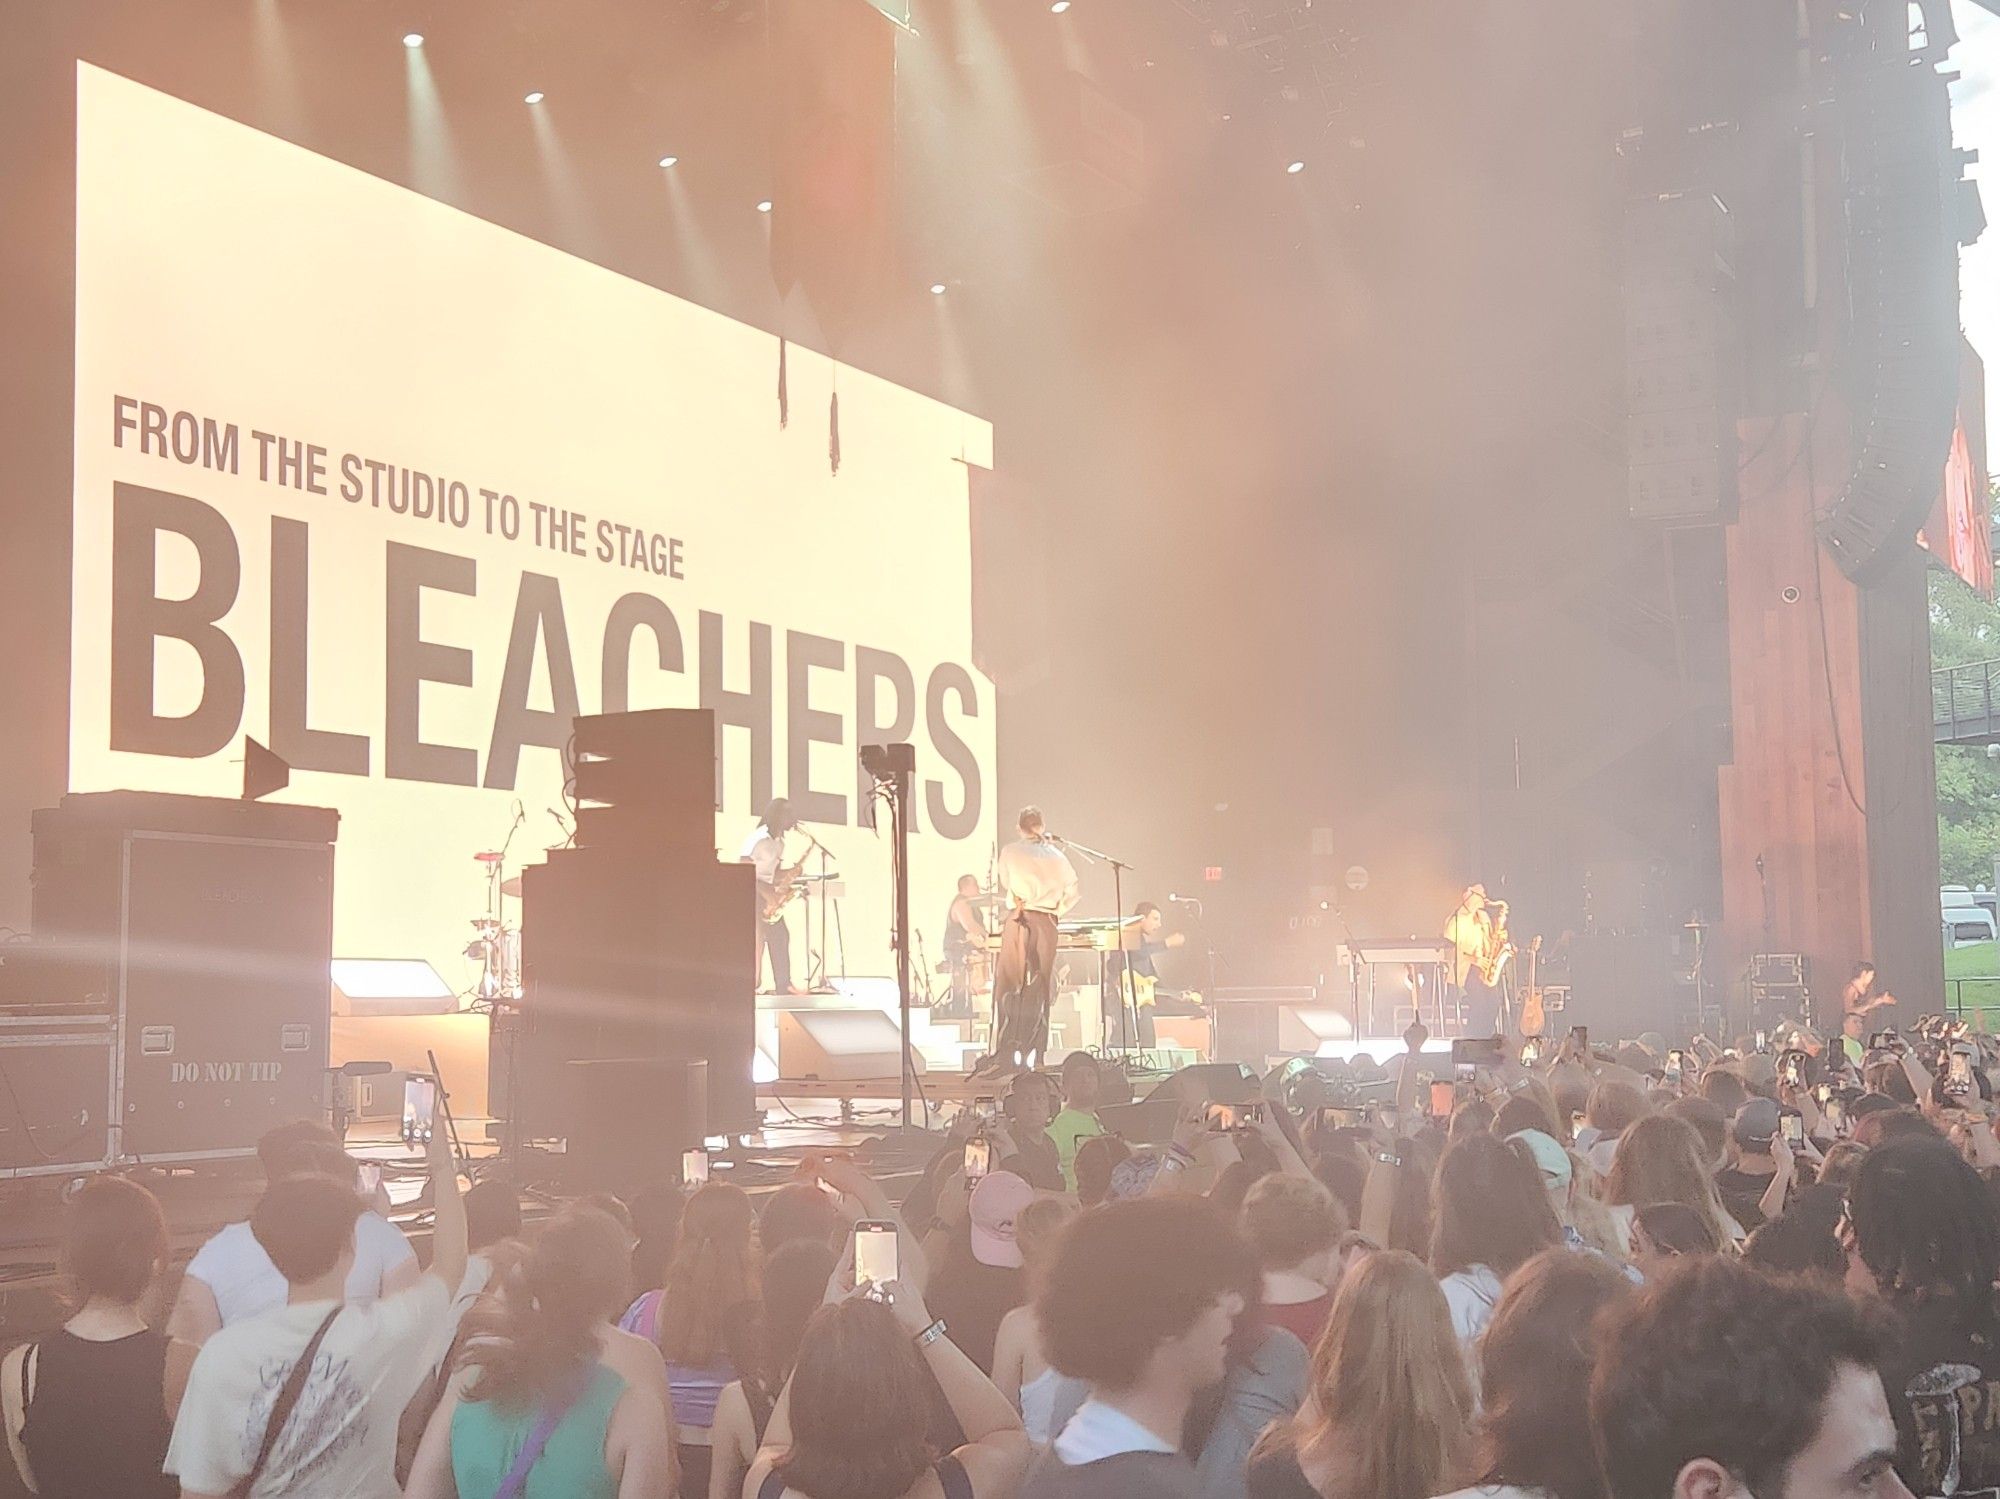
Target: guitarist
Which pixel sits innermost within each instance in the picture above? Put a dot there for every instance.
(1472, 936)
(765, 847)
(1143, 947)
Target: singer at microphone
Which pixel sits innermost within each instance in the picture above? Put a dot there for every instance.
(1039, 885)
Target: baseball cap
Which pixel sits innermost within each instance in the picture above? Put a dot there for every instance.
(1550, 1158)
(995, 1203)
(1756, 1122)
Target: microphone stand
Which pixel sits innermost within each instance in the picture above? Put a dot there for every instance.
(1128, 991)
(824, 983)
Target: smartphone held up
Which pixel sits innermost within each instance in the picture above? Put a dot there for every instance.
(875, 1256)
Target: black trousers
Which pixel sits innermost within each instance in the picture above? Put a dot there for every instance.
(1482, 1007)
(776, 940)
(1021, 987)
(1119, 1018)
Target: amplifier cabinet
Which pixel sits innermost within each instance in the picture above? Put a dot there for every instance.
(56, 1101)
(219, 946)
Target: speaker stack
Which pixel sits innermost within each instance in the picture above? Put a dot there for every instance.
(638, 948)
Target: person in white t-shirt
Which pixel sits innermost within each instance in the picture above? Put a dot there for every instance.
(339, 1439)
(231, 1277)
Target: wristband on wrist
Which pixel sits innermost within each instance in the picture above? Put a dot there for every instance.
(930, 1334)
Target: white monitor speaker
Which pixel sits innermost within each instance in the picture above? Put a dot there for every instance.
(390, 986)
(839, 1045)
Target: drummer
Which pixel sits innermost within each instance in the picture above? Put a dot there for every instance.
(965, 953)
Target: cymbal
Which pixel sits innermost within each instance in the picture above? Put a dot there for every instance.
(511, 887)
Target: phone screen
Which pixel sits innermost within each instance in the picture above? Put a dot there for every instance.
(694, 1167)
(1531, 1051)
(1464, 1073)
(419, 1108)
(874, 1251)
(1794, 1128)
(1444, 1098)
(1228, 1116)
(1836, 1116)
(1333, 1117)
(371, 1181)
(1958, 1076)
(1763, 1040)
(978, 1160)
(1792, 1067)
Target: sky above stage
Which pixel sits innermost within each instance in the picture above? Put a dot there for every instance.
(1976, 126)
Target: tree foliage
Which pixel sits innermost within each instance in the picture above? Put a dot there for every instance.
(1965, 628)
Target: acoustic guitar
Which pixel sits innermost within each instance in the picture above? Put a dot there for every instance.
(1533, 1021)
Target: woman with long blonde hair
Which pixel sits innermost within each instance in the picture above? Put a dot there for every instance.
(1389, 1408)
(1660, 1159)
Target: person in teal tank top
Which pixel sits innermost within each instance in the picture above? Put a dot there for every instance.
(538, 1407)
(486, 1441)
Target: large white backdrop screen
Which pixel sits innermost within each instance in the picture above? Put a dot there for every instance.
(259, 288)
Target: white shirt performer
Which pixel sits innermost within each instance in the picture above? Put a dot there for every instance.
(1039, 885)
(765, 848)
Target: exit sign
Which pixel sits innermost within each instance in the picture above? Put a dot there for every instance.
(1213, 874)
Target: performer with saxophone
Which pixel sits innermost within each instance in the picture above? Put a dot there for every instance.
(765, 847)
(1477, 932)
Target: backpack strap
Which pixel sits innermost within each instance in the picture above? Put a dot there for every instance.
(957, 1483)
(282, 1408)
(554, 1409)
(773, 1487)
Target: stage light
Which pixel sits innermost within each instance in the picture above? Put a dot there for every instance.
(1296, 167)
(765, 206)
(667, 161)
(413, 39)
(937, 288)
(534, 97)
(1059, 6)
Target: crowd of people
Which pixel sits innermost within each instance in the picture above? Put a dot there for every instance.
(1761, 1272)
